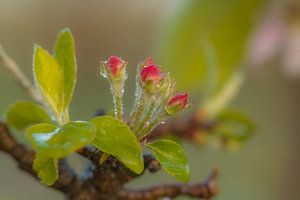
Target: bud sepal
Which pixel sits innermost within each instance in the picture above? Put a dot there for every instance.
(114, 69)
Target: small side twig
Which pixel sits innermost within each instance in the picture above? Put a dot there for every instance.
(206, 190)
(14, 70)
(183, 126)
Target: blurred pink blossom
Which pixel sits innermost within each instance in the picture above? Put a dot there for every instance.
(276, 36)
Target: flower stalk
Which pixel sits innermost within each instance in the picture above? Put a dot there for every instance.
(114, 70)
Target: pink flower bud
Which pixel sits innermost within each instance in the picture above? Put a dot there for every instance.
(115, 64)
(149, 61)
(177, 103)
(151, 75)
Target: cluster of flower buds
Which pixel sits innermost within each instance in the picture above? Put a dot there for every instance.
(155, 94)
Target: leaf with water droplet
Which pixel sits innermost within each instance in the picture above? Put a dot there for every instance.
(56, 142)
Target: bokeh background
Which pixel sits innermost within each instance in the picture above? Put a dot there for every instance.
(189, 38)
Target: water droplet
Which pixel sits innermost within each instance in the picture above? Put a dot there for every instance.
(137, 93)
(103, 74)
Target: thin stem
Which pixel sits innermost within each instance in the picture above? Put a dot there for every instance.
(66, 116)
(139, 110)
(160, 116)
(147, 117)
(117, 89)
(19, 76)
(135, 106)
(138, 95)
(119, 107)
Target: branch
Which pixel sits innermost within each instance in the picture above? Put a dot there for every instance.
(205, 190)
(10, 65)
(184, 126)
(24, 157)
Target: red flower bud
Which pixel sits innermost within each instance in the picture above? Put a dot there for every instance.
(177, 103)
(115, 64)
(151, 75)
(149, 61)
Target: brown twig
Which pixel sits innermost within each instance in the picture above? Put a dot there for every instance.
(13, 69)
(205, 190)
(184, 126)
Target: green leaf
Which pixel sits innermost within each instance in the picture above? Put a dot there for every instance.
(64, 53)
(57, 142)
(21, 115)
(49, 79)
(234, 129)
(46, 168)
(115, 138)
(216, 103)
(172, 158)
(223, 24)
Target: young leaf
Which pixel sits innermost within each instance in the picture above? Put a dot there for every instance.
(39, 135)
(115, 138)
(234, 129)
(172, 158)
(24, 114)
(49, 79)
(64, 53)
(46, 169)
(215, 104)
(229, 26)
(57, 142)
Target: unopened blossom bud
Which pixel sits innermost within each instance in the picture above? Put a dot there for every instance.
(150, 77)
(177, 103)
(115, 67)
(149, 61)
(114, 70)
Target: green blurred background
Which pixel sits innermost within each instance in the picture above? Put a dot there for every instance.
(173, 31)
